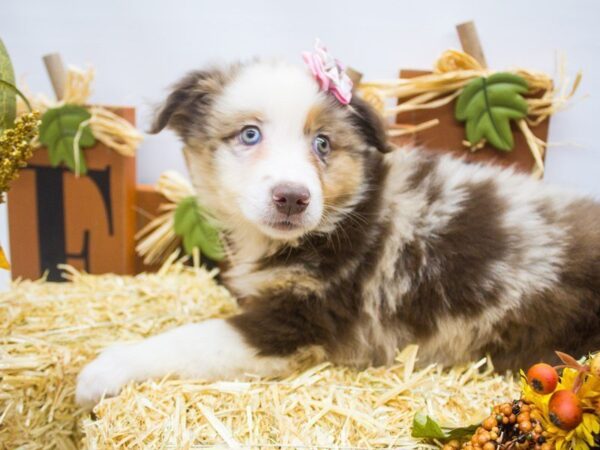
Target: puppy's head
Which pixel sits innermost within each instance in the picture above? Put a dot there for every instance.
(266, 148)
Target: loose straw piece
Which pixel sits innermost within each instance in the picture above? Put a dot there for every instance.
(455, 60)
(78, 85)
(537, 147)
(114, 131)
(223, 432)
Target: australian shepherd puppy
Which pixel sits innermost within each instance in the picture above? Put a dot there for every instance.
(341, 243)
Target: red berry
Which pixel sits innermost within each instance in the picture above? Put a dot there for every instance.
(565, 410)
(542, 378)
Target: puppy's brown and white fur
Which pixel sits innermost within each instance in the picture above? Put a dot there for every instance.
(386, 248)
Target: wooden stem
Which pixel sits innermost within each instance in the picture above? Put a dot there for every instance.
(469, 40)
(57, 73)
(355, 76)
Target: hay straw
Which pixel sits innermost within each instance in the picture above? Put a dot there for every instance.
(454, 70)
(114, 131)
(157, 240)
(48, 331)
(324, 407)
(78, 85)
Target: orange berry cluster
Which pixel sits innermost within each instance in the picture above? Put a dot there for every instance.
(510, 426)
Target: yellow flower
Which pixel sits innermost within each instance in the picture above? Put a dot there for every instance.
(581, 437)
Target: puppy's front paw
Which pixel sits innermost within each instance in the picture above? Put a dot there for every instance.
(105, 375)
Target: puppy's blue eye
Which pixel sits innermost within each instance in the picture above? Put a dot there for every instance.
(250, 135)
(321, 145)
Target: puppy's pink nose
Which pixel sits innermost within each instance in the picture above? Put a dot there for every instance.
(290, 198)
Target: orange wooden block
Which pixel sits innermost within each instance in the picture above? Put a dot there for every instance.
(88, 222)
(449, 134)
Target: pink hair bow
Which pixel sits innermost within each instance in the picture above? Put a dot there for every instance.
(329, 72)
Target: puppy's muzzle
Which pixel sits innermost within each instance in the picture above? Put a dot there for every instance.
(290, 198)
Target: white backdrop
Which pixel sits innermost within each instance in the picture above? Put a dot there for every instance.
(139, 47)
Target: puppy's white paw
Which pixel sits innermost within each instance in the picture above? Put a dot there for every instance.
(105, 375)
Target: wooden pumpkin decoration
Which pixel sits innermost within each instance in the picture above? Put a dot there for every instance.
(88, 221)
(74, 203)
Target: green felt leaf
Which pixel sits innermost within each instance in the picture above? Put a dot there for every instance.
(487, 105)
(58, 130)
(425, 427)
(196, 231)
(8, 98)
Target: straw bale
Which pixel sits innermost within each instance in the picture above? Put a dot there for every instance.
(323, 407)
(48, 331)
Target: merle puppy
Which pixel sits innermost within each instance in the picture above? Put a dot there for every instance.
(340, 244)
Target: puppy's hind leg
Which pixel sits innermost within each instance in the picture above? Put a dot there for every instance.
(209, 350)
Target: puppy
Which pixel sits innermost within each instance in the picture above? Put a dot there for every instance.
(339, 244)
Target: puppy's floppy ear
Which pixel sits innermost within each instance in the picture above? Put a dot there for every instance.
(370, 124)
(188, 104)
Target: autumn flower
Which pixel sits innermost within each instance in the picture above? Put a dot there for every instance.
(583, 436)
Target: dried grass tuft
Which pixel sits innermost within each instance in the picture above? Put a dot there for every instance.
(157, 240)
